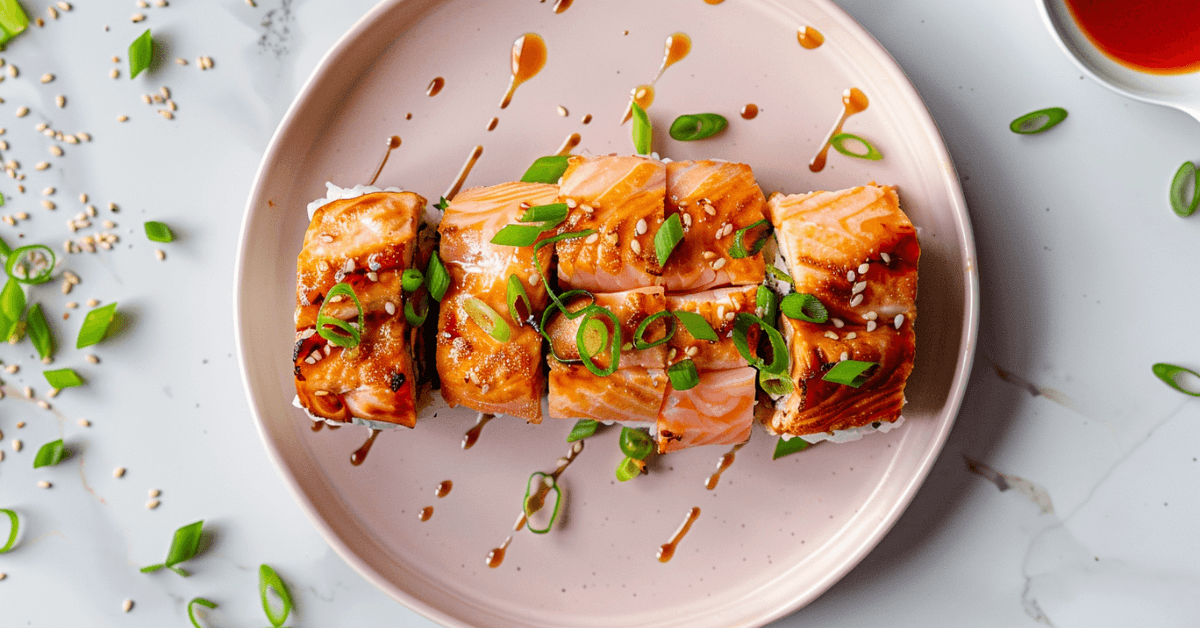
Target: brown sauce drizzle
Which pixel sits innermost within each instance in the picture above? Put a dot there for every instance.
(750, 111)
(587, 118)
(562, 5)
(713, 1)
(569, 144)
(472, 435)
(426, 513)
(393, 144)
(317, 426)
(809, 37)
(491, 125)
(853, 101)
(444, 489)
(360, 455)
(534, 504)
(677, 46)
(667, 550)
(528, 58)
(464, 173)
(724, 463)
(435, 86)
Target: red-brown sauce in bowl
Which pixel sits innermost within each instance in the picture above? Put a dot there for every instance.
(1153, 36)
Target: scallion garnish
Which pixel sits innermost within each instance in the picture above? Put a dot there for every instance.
(767, 304)
(535, 500)
(192, 612)
(39, 331)
(1038, 121)
(442, 203)
(601, 335)
(838, 142)
(1185, 174)
(1170, 374)
(739, 250)
(335, 330)
(780, 275)
(436, 278)
(668, 236)
(849, 373)
(789, 446)
(31, 264)
(489, 320)
(635, 443)
(141, 53)
(642, 131)
(95, 325)
(415, 318)
(683, 375)
(558, 301)
(741, 330)
(411, 279)
(629, 468)
(12, 304)
(553, 307)
(63, 378)
(639, 341)
(546, 169)
(516, 294)
(184, 546)
(697, 126)
(5, 249)
(542, 218)
(775, 384)
(49, 454)
(158, 232)
(268, 580)
(696, 325)
(14, 527)
(13, 21)
(583, 429)
(804, 307)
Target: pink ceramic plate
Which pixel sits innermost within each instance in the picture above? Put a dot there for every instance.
(773, 535)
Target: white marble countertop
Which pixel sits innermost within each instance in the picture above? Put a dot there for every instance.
(1066, 495)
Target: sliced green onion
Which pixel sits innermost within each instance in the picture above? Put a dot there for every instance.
(31, 264)
(442, 203)
(552, 214)
(1186, 173)
(39, 331)
(95, 325)
(141, 53)
(590, 314)
(583, 429)
(668, 236)
(789, 446)
(683, 375)
(158, 232)
(629, 468)
(546, 169)
(346, 336)
(436, 278)
(412, 279)
(516, 293)
(192, 611)
(635, 443)
(639, 342)
(63, 378)
(1038, 121)
(849, 373)
(767, 304)
(13, 21)
(268, 580)
(1170, 375)
(838, 142)
(739, 250)
(184, 546)
(14, 527)
(570, 235)
(779, 357)
(696, 325)
(12, 304)
(804, 307)
(5, 249)
(49, 454)
(489, 320)
(698, 126)
(415, 318)
(779, 274)
(531, 505)
(551, 308)
(775, 384)
(544, 217)
(642, 132)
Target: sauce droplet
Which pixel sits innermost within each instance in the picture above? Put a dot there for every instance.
(528, 58)
(491, 125)
(408, 116)
(587, 118)
(472, 435)
(462, 174)
(317, 426)
(713, 1)
(435, 86)
(444, 488)
(643, 95)
(569, 144)
(496, 556)
(677, 46)
(562, 5)
(393, 144)
(853, 101)
(750, 111)
(360, 455)
(426, 513)
(722, 464)
(535, 502)
(667, 550)
(809, 37)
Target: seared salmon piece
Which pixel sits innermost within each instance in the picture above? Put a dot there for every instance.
(621, 198)
(719, 307)
(631, 308)
(713, 199)
(717, 411)
(632, 394)
(366, 242)
(476, 370)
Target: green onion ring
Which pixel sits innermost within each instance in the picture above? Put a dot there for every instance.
(642, 132)
(779, 357)
(192, 612)
(635, 443)
(1184, 208)
(775, 384)
(352, 334)
(590, 312)
(525, 502)
(849, 373)
(640, 343)
(551, 308)
(542, 218)
(789, 446)
(583, 429)
(570, 235)
(1052, 115)
(412, 279)
(18, 257)
(739, 250)
(767, 302)
(667, 238)
(1169, 373)
(489, 320)
(780, 275)
(628, 469)
(15, 523)
(804, 307)
(683, 375)
(414, 318)
(838, 142)
(516, 292)
(437, 279)
(698, 126)
(268, 579)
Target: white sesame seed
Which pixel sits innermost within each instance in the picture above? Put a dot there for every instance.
(180, 61)
(12, 70)
(118, 472)
(28, 392)
(13, 368)
(154, 492)
(60, 100)
(48, 204)
(64, 6)
(166, 114)
(137, 17)
(157, 99)
(671, 354)
(859, 287)
(587, 209)
(122, 118)
(887, 259)
(329, 348)
(91, 358)
(53, 393)
(641, 226)
(612, 239)
(309, 360)
(898, 321)
(47, 77)
(571, 204)
(48, 191)
(114, 73)
(2, 574)
(562, 111)
(43, 484)
(166, 93)
(373, 276)
(112, 207)
(708, 255)
(850, 276)
(837, 322)
(845, 356)
(55, 150)
(863, 268)
(108, 224)
(710, 210)
(22, 111)
(852, 335)
(72, 277)
(832, 335)
(83, 137)
(127, 605)
(636, 247)
(856, 300)
(871, 316)
(152, 504)
(687, 220)
(147, 99)
(719, 264)
(691, 352)
(41, 126)
(84, 423)
(326, 238)
(389, 308)
(43, 404)
(871, 326)
(720, 311)
(22, 216)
